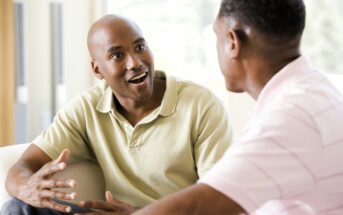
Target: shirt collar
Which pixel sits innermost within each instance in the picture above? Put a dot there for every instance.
(285, 77)
(167, 107)
(106, 102)
(170, 97)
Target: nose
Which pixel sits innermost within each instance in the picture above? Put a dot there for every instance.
(133, 62)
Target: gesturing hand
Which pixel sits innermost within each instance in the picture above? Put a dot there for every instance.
(110, 206)
(37, 190)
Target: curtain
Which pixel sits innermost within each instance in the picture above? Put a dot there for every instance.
(6, 73)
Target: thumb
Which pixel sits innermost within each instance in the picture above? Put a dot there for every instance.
(63, 157)
(108, 195)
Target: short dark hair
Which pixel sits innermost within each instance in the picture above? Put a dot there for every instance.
(278, 19)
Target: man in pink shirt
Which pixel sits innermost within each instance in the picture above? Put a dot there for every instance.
(290, 160)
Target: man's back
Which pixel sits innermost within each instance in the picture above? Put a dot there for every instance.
(316, 97)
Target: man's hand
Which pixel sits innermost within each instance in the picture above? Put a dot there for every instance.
(37, 190)
(110, 206)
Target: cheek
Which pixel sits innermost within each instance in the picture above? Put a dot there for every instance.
(115, 69)
(114, 76)
(222, 59)
(150, 54)
(148, 58)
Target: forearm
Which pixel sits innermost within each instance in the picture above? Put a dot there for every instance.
(17, 176)
(28, 164)
(196, 200)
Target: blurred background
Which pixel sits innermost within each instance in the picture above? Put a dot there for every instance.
(44, 60)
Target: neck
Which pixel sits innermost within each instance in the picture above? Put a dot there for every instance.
(135, 111)
(264, 67)
(265, 58)
(263, 73)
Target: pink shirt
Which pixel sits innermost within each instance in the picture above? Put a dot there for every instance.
(290, 160)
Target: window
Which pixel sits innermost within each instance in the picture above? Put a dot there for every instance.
(322, 40)
(57, 79)
(20, 73)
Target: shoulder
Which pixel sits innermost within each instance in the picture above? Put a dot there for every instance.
(310, 104)
(313, 94)
(86, 100)
(93, 94)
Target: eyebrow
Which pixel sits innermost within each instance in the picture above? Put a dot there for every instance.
(139, 40)
(115, 48)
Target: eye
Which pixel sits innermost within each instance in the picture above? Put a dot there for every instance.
(117, 55)
(140, 47)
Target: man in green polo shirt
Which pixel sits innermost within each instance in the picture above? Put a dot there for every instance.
(151, 134)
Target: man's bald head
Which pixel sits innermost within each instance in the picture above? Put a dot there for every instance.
(109, 26)
(120, 54)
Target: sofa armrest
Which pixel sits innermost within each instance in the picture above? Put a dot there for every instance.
(89, 177)
(8, 155)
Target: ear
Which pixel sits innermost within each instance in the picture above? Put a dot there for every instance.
(235, 44)
(95, 68)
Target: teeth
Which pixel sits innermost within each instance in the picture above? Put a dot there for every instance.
(138, 77)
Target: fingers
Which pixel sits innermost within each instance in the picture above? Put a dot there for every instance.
(96, 205)
(92, 213)
(50, 169)
(111, 205)
(110, 199)
(63, 157)
(56, 206)
(108, 195)
(53, 194)
(56, 183)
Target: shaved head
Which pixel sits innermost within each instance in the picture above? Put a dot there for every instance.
(109, 25)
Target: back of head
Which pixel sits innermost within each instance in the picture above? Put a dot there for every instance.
(278, 20)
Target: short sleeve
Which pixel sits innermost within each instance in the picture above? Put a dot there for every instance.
(214, 136)
(279, 157)
(67, 131)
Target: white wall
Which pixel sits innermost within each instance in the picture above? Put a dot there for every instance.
(78, 17)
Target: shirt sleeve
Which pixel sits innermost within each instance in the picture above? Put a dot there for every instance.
(214, 136)
(279, 157)
(66, 131)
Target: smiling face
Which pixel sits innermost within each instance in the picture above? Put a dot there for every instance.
(122, 57)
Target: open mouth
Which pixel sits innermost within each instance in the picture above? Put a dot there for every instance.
(138, 79)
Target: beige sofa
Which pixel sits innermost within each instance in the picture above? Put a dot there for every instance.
(90, 182)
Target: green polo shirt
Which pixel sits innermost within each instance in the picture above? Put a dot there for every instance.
(166, 151)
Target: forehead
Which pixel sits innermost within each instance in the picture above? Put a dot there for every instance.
(116, 33)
